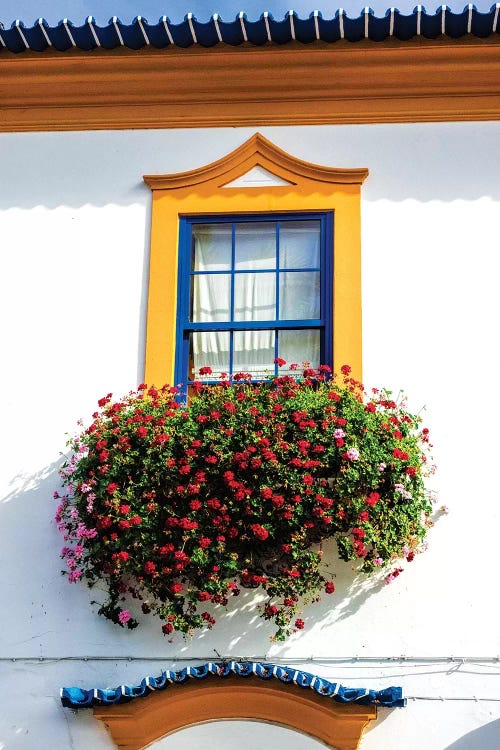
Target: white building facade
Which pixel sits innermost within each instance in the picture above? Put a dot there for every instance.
(75, 218)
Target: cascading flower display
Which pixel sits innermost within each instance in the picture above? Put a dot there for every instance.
(179, 506)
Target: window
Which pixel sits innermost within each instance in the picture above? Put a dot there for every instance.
(255, 255)
(252, 289)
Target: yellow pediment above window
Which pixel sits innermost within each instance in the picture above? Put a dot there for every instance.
(257, 151)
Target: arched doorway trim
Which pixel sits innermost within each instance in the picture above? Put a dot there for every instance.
(134, 725)
(302, 701)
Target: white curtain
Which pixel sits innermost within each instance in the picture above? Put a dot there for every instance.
(255, 294)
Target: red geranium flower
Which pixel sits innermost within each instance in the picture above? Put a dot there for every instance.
(372, 499)
(259, 531)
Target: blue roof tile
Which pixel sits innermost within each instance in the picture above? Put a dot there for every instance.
(266, 30)
(390, 697)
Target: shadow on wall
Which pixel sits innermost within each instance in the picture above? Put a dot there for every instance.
(484, 738)
(422, 161)
(55, 608)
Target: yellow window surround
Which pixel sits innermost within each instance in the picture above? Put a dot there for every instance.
(208, 191)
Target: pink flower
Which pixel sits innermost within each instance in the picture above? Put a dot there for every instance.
(338, 434)
(378, 562)
(74, 576)
(124, 616)
(83, 532)
(352, 454)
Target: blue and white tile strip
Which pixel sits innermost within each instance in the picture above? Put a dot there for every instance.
(390, 697)
(265, 31)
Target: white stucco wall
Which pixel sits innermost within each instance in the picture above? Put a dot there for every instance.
(74, 238)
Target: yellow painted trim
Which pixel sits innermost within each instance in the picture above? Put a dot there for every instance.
(134, 725)
(293, 84)
(201, 192)
(257, 151)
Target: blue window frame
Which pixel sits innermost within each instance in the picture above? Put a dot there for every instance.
(253, 288)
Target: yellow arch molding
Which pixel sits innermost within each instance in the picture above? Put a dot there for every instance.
(135, 725)
(202, 192)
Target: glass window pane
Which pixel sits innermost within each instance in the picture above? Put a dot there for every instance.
(210, 298)
(255, 296)
(300, 244)
(211, 247)
(298, 347)
(208, 349)
(300, 295)
(253, 351)
(255, 246)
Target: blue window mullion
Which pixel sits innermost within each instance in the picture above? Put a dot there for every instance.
(238, 272)
(296, 270)
(250, 325)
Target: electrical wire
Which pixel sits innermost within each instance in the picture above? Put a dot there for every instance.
(393, 660)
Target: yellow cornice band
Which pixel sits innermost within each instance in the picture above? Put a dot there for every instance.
(296, 84)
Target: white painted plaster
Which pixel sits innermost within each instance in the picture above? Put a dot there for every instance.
(74, 238)
(257, 177)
